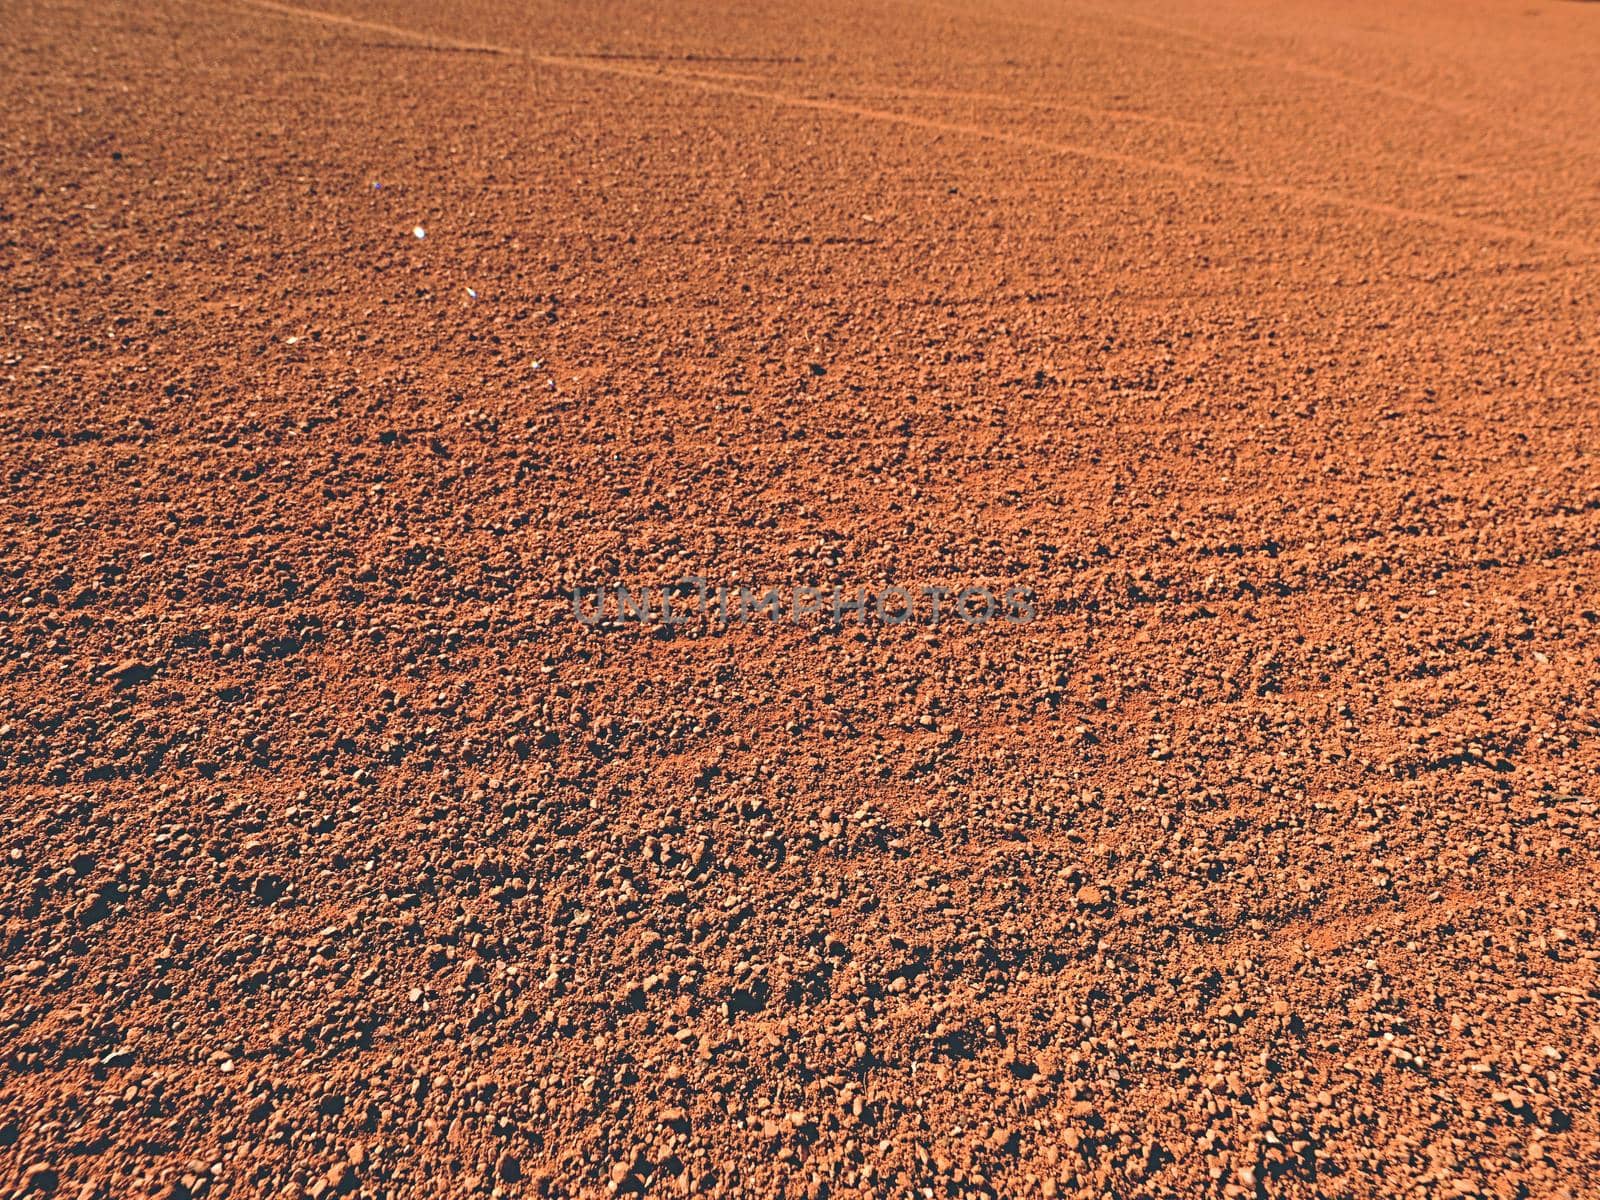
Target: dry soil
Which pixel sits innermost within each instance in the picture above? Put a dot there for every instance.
(1258, 339)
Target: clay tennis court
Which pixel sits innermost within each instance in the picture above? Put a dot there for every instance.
(358, 841)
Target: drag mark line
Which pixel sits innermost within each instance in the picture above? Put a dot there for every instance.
(1316, 197)
(407, 35)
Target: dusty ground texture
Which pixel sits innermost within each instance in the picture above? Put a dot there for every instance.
(1259, 339)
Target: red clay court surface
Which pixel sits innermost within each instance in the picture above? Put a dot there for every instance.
(1259, 340)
